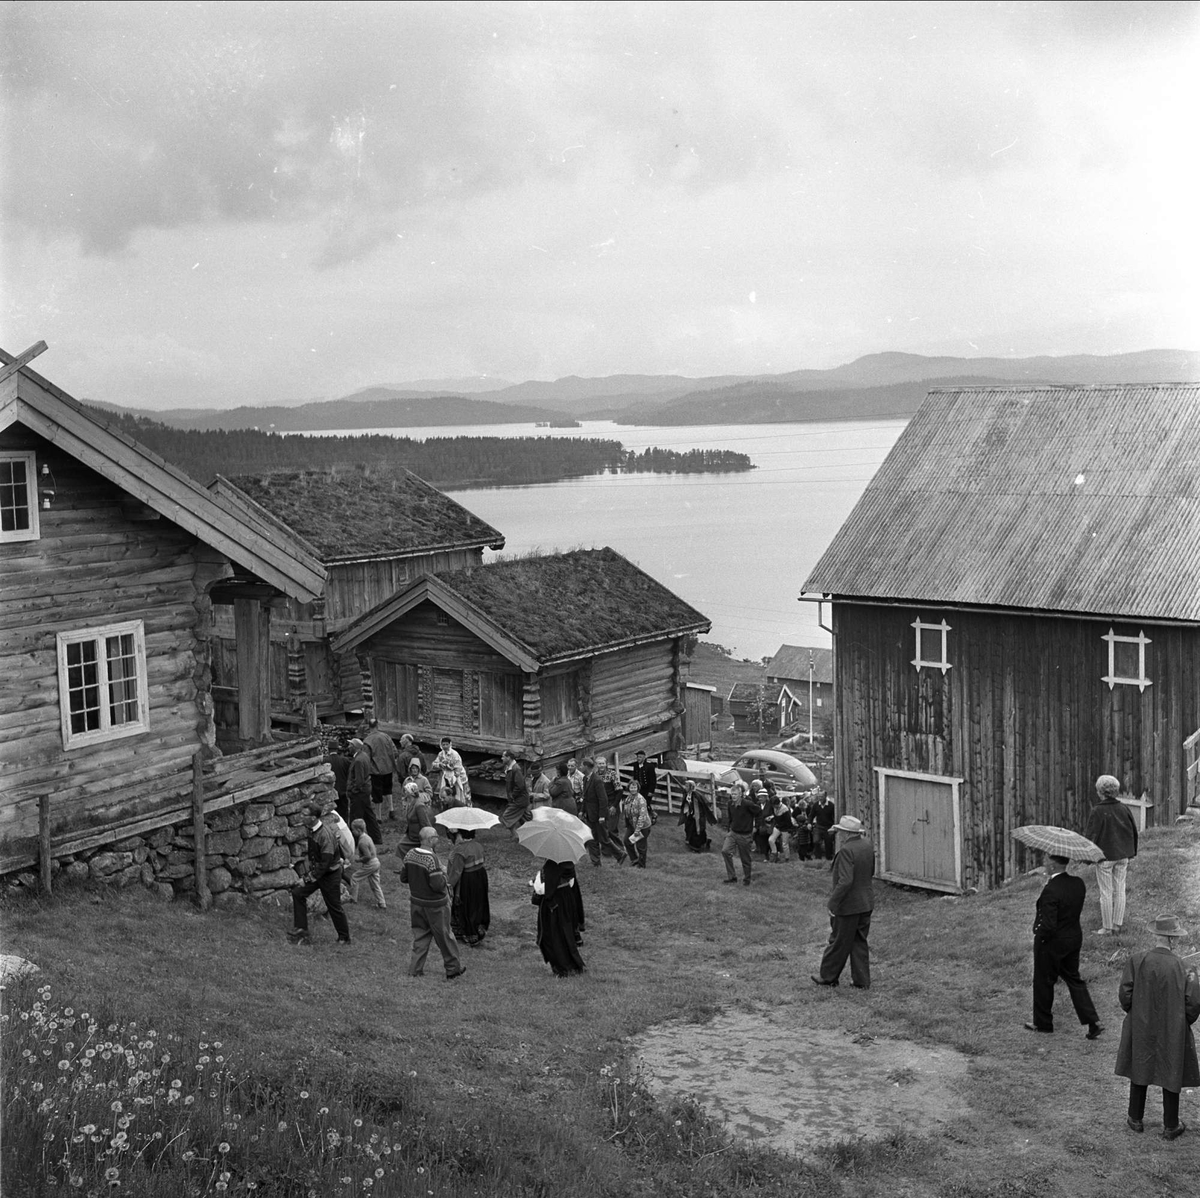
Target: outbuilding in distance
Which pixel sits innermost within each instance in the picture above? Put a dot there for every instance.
(1016, 610)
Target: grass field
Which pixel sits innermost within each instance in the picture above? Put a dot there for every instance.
(319, 1071)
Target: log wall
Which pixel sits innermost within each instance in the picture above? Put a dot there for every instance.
(1023, 716)
(97, 562)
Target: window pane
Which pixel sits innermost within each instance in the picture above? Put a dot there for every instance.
(14, 496)
(83, 686)
(1125, 660)
(122, 679)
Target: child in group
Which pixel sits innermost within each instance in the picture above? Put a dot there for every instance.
(366, 865)
(782, 826)
(803, 837)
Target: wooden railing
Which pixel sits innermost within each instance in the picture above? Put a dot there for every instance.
(209, 786)
(671, 785)
(1191, 755)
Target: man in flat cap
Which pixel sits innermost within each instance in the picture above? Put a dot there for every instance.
(1157, 1046)
(1112, 828)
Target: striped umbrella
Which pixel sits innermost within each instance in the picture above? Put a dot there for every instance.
(1059, 842)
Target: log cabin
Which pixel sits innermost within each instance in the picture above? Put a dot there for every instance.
(551, 656)
(110, 563)
(1015, 611)
(375, 531)
(800, 679)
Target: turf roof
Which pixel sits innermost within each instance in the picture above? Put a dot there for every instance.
(354, 514)
(562, 604)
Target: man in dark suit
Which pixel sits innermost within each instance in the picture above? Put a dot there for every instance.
(646, 777)
(595, 810)
(851, 902)
(1057, 939)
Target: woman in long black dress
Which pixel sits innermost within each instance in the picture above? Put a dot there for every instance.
(557, 920)
(694, 816)
(466, 875)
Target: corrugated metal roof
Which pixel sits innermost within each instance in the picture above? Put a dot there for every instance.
(791, 661)
(1072, 499)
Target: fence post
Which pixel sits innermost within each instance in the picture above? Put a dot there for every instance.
(203, 896)
(44, 841)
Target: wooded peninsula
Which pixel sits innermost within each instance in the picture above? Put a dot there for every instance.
(446, 462)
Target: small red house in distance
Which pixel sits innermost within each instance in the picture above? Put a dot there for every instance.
(1016, 610)
(552, 656)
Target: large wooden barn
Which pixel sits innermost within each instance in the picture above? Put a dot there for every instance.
(110, 563)
(1016, 610)
(375, 531)
(550, 656)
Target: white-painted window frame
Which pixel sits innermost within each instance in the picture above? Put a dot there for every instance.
(1112, 677)
(33, 532)
(920, 660)
(107, 730)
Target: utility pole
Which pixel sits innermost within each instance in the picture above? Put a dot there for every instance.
(810, 696)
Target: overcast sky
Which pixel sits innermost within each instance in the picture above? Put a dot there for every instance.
(210, 204)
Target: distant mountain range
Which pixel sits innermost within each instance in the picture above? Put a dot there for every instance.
(878, 385)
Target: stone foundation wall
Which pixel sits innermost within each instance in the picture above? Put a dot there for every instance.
(250, 851)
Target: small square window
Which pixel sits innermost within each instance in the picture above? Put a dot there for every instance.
(102, 683)
(1126, 660)
(443, 619)
(931, 645)
(18, 497)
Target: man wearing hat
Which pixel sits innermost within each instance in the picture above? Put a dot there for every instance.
(324, 874)
(850, 905)
(1111, 827)
(1157, 1046)
(1057, 939)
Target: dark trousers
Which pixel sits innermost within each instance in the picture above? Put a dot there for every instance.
(637, 849)
(330, 886)
(431, 925)
(1054, 959)
(1137, 1105)
(823, 842)
(737, 842)
(362, 808)
(601, 841)
(848, 938)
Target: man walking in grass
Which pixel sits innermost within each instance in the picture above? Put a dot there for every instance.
(1057, 939)
(1157, 1046)
(1112, 828)
(324, 874)
(851, 902)
(743, 811)
(595, 811)
(429, 907)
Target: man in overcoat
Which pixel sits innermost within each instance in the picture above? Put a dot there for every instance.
(1157, 1046)
(382, 750)
(516, 789)
(645, 775)
(595, 811)
(1057, 939)
(358, 789)
(851, 902)
(1111, 827)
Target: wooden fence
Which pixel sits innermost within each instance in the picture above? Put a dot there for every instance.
(671, 786)
(210, 786)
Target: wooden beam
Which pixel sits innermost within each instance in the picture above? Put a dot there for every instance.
(253, 624)
(44, 841)
(38, 347)
(203, 895)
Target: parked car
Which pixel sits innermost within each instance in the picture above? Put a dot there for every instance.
(789, 774)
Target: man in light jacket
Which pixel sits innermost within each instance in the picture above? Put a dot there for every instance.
(1111, 827)
(1157, 1046)
(851, 902)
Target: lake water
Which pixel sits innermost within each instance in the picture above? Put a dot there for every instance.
(737, 547)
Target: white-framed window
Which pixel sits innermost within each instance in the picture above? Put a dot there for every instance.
(931, 645)
(18, 497)
(102, 683)
(1126, 660)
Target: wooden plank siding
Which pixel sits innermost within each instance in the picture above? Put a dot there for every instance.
(94, 565)
(1023, 716)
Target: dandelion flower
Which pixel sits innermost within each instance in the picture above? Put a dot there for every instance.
(282, 1126)
(63, 1066)
(323, 1111)
(111, 1175)
(88, 1128)
(303, 1093)
(189, 1155)
(379, 1172)
(223, 1147)
(358, 1123)
(189, 1100)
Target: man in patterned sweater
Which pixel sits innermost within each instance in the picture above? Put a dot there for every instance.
(429, 907)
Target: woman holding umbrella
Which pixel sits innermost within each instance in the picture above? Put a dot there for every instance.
(559, 838)
(466, 874)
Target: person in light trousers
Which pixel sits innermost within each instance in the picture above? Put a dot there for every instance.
(366, 865)
(1112, 828)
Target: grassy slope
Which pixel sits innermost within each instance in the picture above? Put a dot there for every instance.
(509, 1092)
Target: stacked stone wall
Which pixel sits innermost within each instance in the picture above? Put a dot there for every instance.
(251, 851)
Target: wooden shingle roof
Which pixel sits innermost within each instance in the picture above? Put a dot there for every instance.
(356, 515)
(543, 609)
(1082, 500)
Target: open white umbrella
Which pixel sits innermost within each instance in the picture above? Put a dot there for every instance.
(466, 819)
(547, 834)
(1059, 842)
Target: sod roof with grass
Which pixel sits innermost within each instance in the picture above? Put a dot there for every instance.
(349, 515)
(553, 606)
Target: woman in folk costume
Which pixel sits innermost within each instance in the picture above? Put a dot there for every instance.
(556, 923)
(466, 875)
(694, 815)
(636, 815)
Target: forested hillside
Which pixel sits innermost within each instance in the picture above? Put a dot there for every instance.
(443, 461)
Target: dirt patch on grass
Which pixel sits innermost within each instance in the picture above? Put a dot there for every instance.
(796, 1089)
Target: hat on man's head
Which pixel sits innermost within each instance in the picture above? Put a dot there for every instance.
(589, 762)
(1169, 925)
(848, 823)
(640, 753)
(1106, 784)
(356, 742)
